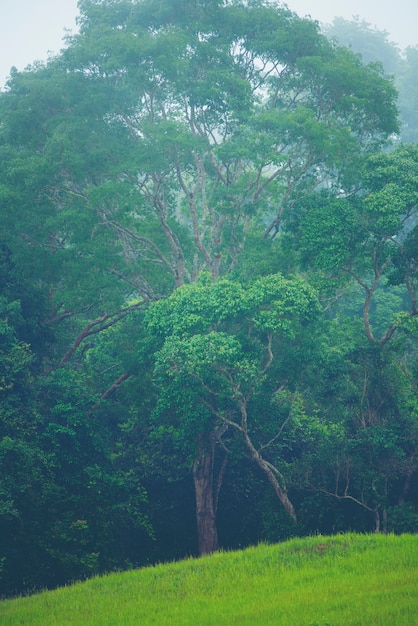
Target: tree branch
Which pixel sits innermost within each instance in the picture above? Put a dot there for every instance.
(96, 326)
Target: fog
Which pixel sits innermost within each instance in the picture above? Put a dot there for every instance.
(31, 30)
(398, 18)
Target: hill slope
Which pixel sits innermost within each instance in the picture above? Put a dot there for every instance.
(316, 581)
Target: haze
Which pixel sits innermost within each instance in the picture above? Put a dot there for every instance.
(31, 30)
(397, 18)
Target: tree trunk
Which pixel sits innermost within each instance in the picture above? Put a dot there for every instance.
(385, 521)
(203, 468)
(377, 520)
(406, 487)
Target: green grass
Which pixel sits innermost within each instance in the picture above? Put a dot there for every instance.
(316, 581)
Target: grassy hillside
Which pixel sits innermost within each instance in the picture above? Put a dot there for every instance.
(317, 581)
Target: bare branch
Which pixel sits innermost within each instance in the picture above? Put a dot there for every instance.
(96, 326)
(115, 386)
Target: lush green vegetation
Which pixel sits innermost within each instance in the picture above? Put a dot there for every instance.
(375, 47)
(209, 292)
(345, 579)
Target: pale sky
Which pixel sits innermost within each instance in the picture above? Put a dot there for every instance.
(398, 17)
(30, 29)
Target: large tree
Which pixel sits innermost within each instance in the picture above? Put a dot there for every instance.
(163, 139)
(164, 133)
(217, 367)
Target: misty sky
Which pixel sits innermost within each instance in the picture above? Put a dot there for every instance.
(29, 29)
(398, 17)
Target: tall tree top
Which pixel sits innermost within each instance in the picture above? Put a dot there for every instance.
(165, 132)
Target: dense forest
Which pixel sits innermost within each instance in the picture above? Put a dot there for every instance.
(209, 270)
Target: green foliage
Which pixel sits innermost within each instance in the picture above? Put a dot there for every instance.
(367, 238)
(375, 47)
(160, 134)
(63, 499)
(364, 436)
(218, 342)
(15, 356)
(403, 518)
